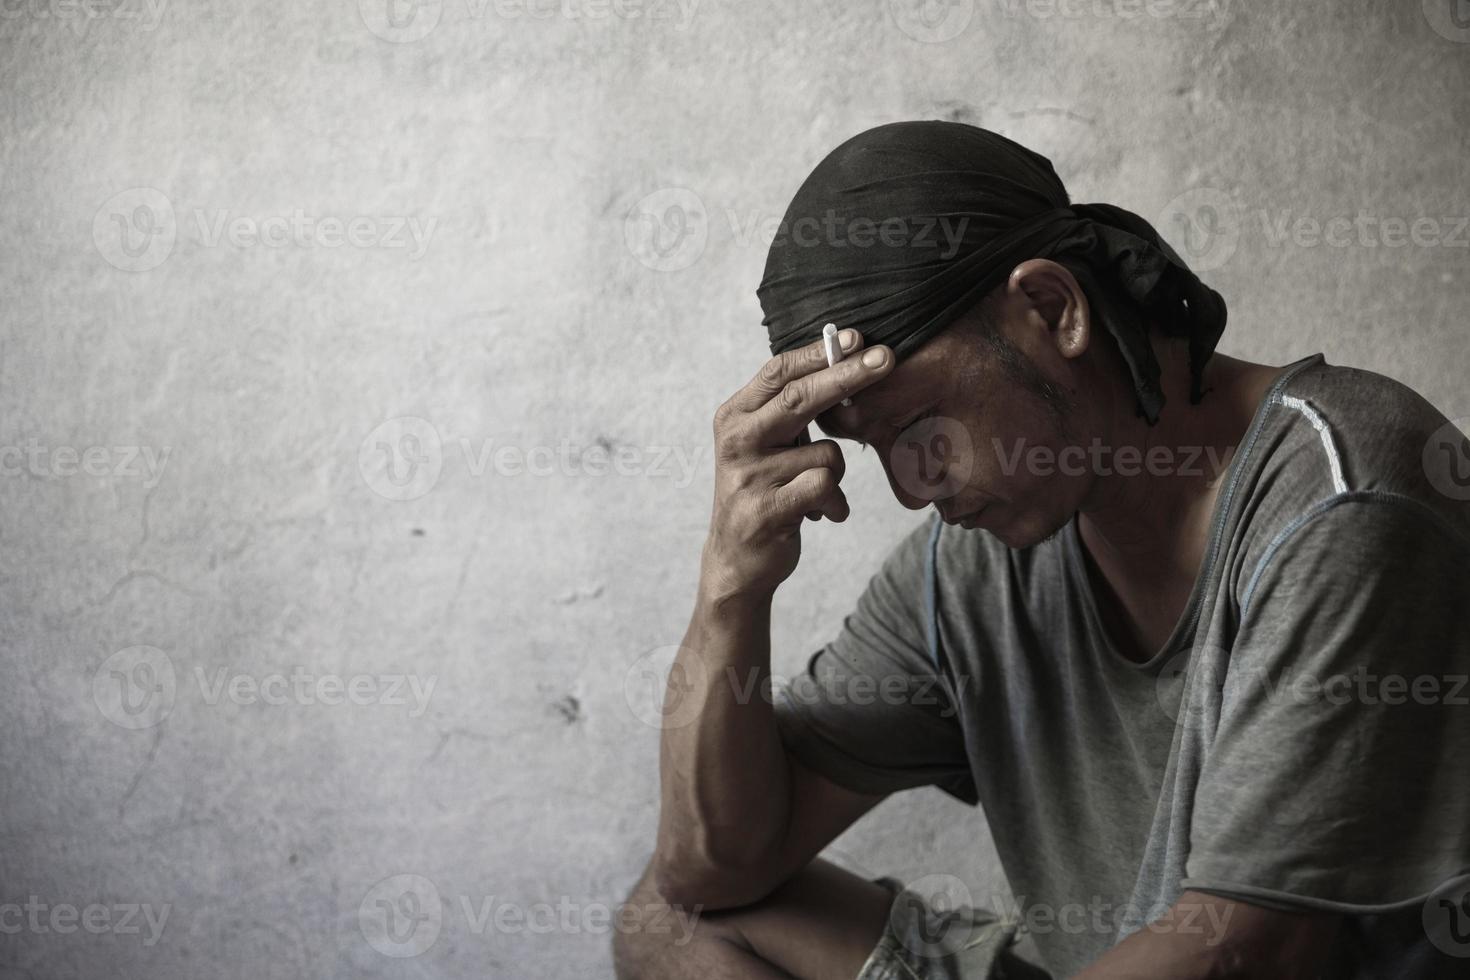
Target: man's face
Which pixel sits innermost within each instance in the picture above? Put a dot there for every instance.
(954, 427)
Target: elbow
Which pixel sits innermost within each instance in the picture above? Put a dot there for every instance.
(710, 886)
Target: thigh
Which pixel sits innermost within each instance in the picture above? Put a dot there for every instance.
(820, 925)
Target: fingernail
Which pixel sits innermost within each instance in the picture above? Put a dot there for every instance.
(874, 358)
(848, 339)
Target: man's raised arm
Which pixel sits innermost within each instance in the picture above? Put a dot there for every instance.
(737, 814)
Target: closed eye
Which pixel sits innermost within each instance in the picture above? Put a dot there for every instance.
(930, 413)
(905, 424)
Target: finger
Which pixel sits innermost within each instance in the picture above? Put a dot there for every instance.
(785, 465)
(790, 463)
(810, 490)
(802, 399)
(788, 366)
(835, 507)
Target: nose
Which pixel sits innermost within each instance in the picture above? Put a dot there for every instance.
(910, 500)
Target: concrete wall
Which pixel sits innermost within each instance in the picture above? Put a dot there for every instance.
(255, 253)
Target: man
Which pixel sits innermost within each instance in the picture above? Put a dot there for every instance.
(1164, 629)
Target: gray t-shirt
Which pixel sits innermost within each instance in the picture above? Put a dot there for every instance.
(1302, 740)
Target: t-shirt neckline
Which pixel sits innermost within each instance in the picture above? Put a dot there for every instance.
(1184, 628)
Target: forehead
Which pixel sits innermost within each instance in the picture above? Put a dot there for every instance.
(882, 402)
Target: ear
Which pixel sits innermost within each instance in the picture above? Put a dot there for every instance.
(1051, 297)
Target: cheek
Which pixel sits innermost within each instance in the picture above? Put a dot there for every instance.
(1024, 464)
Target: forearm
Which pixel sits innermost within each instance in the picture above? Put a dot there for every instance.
(1206, 937)
(727, 807)
(725, 799)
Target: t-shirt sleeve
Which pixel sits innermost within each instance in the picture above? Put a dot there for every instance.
(1336, 776)
(871, 712)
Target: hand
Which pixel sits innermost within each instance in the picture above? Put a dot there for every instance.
(769, 475)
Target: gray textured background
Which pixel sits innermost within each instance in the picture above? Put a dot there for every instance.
(592, 192)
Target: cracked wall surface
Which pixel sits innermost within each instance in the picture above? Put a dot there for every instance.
(357, 364)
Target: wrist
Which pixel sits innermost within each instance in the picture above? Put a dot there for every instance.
(723, 594)
(724, 599)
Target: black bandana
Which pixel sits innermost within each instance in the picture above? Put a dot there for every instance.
(905, 227)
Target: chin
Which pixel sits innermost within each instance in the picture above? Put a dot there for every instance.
(1021, 535)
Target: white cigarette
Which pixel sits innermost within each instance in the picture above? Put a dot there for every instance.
(833, 349)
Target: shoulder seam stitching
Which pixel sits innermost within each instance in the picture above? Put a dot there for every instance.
(1322, 507)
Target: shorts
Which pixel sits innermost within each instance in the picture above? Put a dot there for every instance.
(922, 942)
